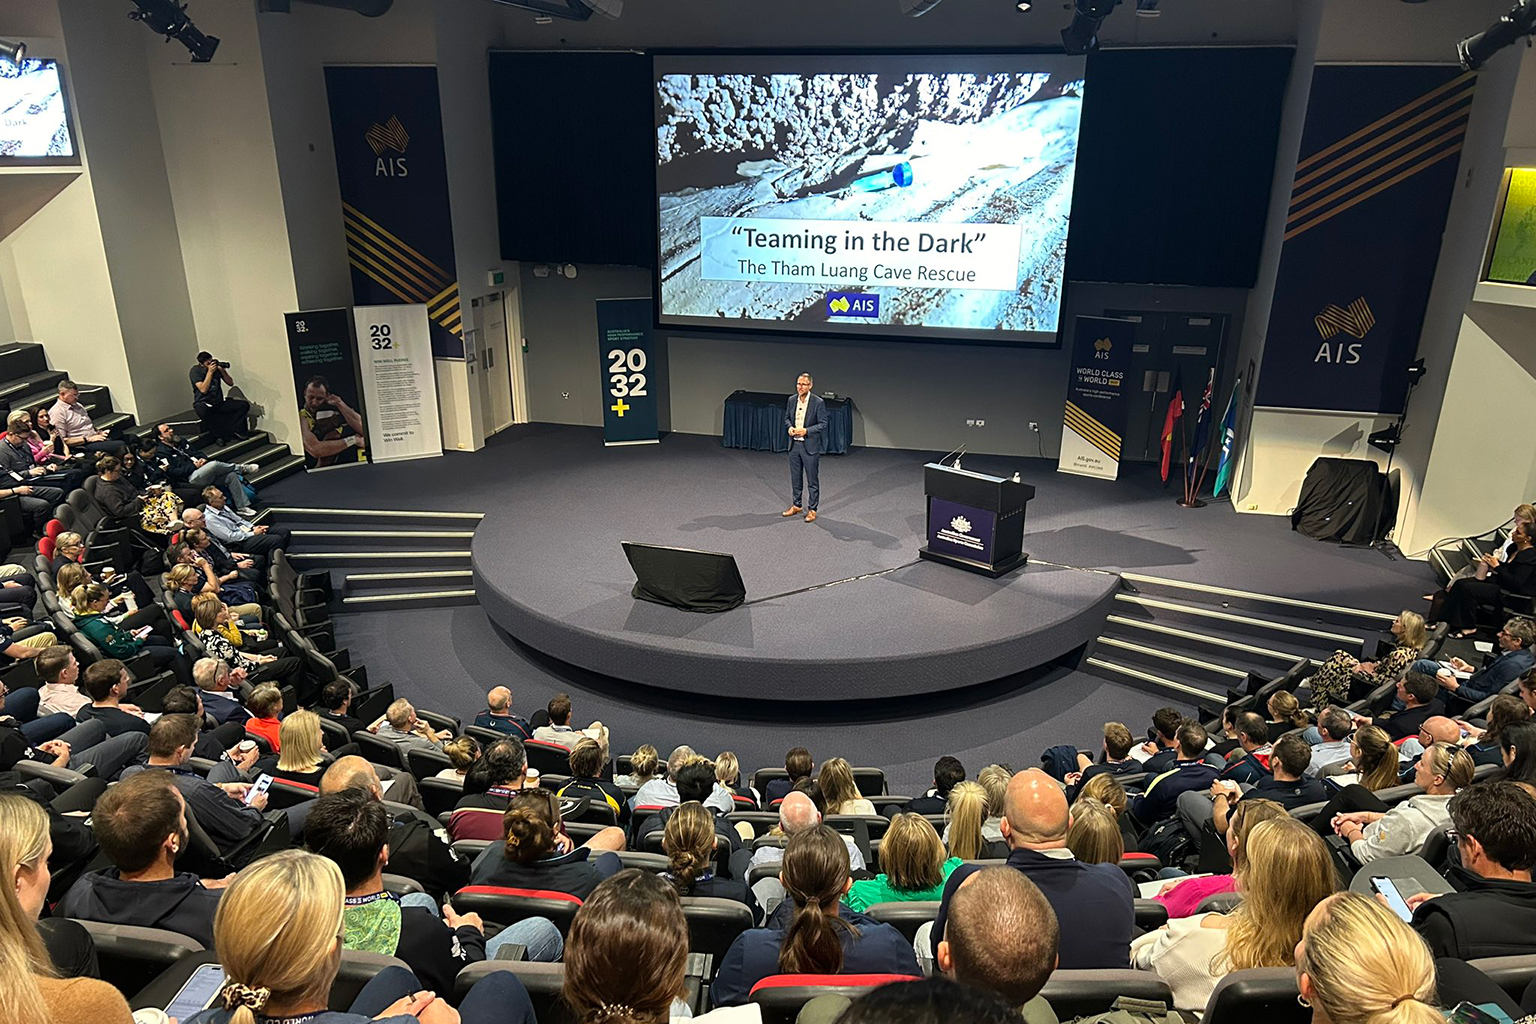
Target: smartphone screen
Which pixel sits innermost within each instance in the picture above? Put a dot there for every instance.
(197, 993)
(1394, 898)
(1475, 1013)
(260, 786)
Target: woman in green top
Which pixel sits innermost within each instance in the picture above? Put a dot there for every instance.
(90, 604)
(915, 869)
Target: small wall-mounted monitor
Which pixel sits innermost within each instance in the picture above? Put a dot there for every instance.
(1513, 256)
(34, 115)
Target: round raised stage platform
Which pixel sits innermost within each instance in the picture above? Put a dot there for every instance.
(549, 570)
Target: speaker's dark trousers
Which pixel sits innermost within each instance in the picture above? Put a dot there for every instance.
(800, 461)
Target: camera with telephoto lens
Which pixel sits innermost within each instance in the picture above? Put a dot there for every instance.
(219, 363)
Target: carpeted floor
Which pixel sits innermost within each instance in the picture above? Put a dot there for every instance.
(449, 657)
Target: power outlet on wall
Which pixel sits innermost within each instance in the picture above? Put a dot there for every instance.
(970, 423)
(1034, 427)
(565, 394)
(981, 423)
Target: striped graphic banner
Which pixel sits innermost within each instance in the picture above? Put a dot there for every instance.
(1094, 423)
(387, 127)
(1379, 159)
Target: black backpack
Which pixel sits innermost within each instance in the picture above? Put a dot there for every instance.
(1168, 841)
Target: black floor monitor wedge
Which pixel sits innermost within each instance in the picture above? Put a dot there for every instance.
(695, 581)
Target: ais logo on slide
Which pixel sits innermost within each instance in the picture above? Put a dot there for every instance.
(853, 304)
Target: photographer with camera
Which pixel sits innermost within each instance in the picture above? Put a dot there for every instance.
(224, 419)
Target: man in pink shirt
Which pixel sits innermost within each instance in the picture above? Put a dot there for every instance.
(59, 672)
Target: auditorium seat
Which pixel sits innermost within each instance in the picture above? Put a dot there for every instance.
(543, 982)
(1150, 914)
(875, 825)
(871, 781)
(1083, 993)
(400, 885)
(1142, 867)
(128, 954)
(1219, 903)
(424, 763)
(763, 776)
(655, 863)
(283, 793)
(1265, 994)
(358, 969)
(906, 916)
(713, 924)
(506, 905)
(376, 750)
(1511, 973)
(468, 849)
(1410, 866)
(761, 821)
(440, 795)
(547, 757)
(781, 996)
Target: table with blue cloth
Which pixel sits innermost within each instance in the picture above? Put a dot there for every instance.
(755, 419)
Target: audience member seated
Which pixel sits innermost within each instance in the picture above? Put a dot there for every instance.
(59, 674)
(947, 772)
(489, 787)
(559, 730)
(1249, 762)
(1288, 873)
(141, 824)
(264, 704)
(1285, 714)
(1094, 837)
(1485, 744)
(798, 813)
(195, 550)
(215, 623)
(1373, 759)
(810, 932)
(729, 785)
(936, 1000)
(695, 782)
(1375, 830)
(1515, 658)
(1343, 677)
(463, 752)
(1159, 752)
(70, 418)
(236, 569)
(211, 743)
(15, 648)
(30, 989)
(587, 761)
(184, 463)
(1358, 963)
(633, 919)
(191, 577)
(1183, 895)
(34, 453)
(1493, 910)
(1114, 758)
(1287, 786)
(231, 527)
(798, 765)
(336, 705)
(534, 851)
(1418, 692)
(968, 806)
(1334, 727)
(690, 842)
(415, 849)
(842, 793)
(90, 602)
(217, 803)
(1093, 902)
(89, 742)
(215, 680)
(1108, 791)
(301, 755)
(352, 829)
(123, 608)
(1190, 771)
(401, 726)
(498, 715)
(1518, 744)
(660, 790)
(106, 682)
(642, 768)
(914, 866)
(38, 490)
(1516, 573)
(1436, 729)
(278, 934)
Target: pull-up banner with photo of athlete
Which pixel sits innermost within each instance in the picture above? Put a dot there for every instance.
(330, 402)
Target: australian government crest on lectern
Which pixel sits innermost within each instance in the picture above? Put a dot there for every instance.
(975, 521)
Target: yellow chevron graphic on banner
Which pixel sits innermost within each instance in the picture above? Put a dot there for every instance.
(430, 280)
(402, 276)
(1407, 140)
(1456, 133)
(1362, 197)
(1356, 321)
(1388, 119)
(374, 226)
(1092, 431)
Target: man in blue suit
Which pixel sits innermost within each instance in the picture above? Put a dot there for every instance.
(805, 417)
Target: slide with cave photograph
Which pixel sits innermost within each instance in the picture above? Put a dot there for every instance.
(903, 197)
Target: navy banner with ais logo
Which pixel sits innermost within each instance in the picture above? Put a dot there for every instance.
(387, 127)
(1379, 159)
(1094, 423)
(629, 384)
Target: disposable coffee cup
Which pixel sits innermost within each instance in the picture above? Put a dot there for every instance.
(150, 1015)
(532, 774)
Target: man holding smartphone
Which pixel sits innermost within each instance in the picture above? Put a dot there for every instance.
(217, 802)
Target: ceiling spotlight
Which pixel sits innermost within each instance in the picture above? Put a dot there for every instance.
(1148, 9)
(167, 18)
(918, 8)
(1023, 6)
(1082, 36)
(14, 52)
(1474, 51)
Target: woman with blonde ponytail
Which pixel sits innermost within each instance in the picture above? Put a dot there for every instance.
(278, 932)
(967, 813)
(1358, 963)
(811, 932)
(29, 990)
(689, 843)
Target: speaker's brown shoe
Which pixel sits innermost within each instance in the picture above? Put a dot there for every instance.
(793, 510)
(810, 516)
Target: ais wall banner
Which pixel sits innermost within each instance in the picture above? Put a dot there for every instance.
(388, 132)
(394, 351)
(1380, 153)
(629, 392)
(331, 423)
(1096, 399)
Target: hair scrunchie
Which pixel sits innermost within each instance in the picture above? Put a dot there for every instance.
(612, 1010)
(251, 997)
